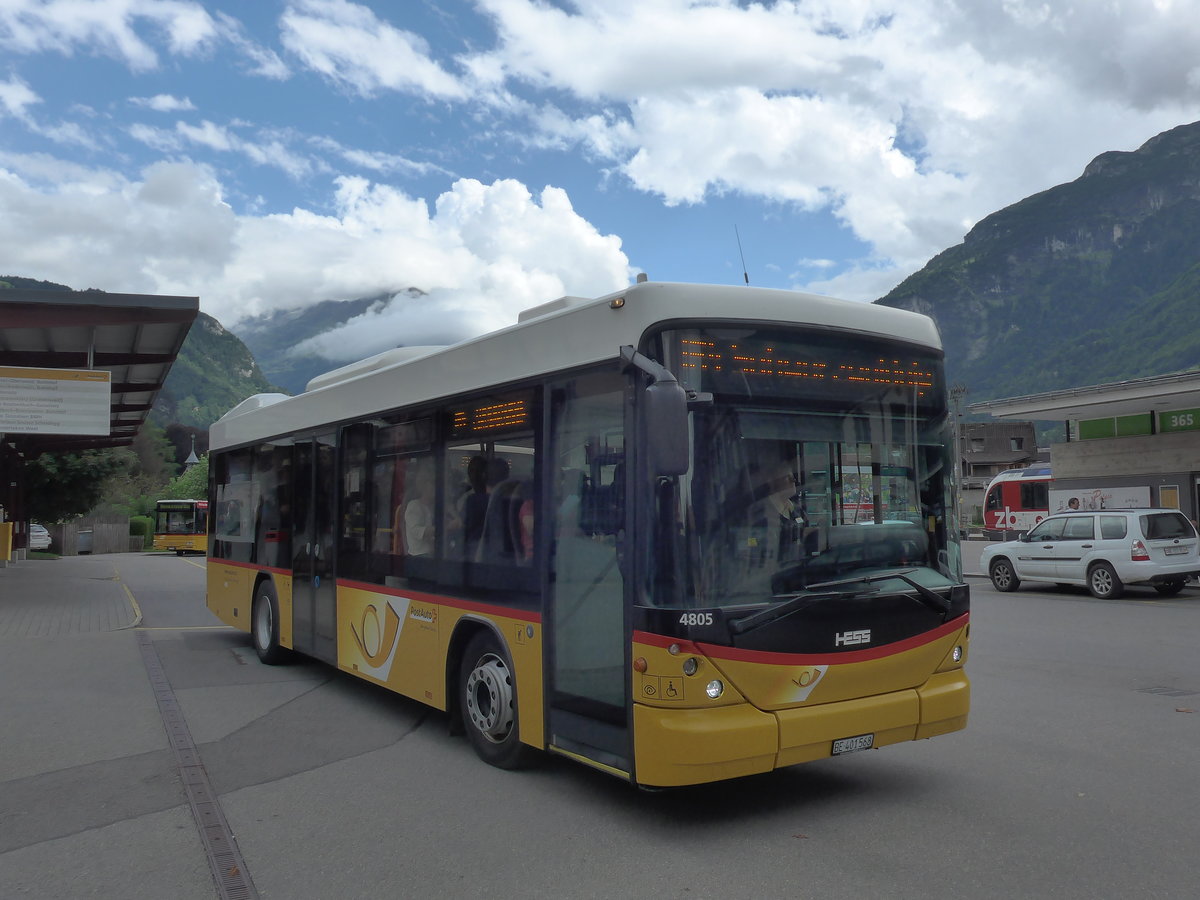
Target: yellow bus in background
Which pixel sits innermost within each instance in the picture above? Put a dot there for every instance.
(181, 526)
(679, 533)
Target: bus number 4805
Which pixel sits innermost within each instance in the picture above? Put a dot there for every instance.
(696, 618)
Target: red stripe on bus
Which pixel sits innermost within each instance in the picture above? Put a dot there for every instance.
(491, 609)
(716, 651)
(245, 565)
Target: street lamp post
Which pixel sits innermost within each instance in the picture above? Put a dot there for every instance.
(956, 395)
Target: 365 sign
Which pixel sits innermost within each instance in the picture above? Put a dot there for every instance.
(1179, 420)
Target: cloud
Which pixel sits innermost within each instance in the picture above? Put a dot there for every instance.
(17, 101)
(347, 43)
(16, 97)
(482, 254)
(486, 253)
(104, 27)
(266, 149)
(908, 121)
(296, 154)
(903, 123)
(127, 31)
(164, 103)
(375, 161)
(165, 234)
(259, 60)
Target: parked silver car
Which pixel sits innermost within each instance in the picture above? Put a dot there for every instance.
(39, 537)
(1102, 550)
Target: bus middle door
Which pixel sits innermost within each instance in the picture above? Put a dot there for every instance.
(314, 587)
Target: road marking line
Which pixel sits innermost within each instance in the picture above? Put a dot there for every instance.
(137, 610)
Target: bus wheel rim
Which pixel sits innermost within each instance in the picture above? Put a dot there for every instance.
(263, 624)
(490, 698)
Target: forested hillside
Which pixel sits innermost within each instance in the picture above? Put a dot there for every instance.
(1091, 281)
(214, 372)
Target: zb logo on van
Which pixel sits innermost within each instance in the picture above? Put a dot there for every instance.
(377, 634)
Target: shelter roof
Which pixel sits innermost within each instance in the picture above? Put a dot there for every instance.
(1120, 398)
(136, 337)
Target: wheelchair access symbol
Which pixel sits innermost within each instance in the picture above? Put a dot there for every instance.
(662, 688)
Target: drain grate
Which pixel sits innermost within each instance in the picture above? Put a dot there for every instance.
(1168, 692)
(224, 858)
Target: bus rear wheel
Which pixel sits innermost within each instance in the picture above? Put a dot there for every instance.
(488, 701)
(264, 625)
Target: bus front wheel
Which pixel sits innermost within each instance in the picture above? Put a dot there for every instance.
(265, 625)
(488, 700)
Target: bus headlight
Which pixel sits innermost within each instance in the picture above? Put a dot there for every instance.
(690, 665)
(957, 654)
(714, 689)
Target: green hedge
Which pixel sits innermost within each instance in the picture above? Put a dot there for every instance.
(143, 525)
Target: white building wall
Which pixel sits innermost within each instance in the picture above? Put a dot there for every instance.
(1152, 455)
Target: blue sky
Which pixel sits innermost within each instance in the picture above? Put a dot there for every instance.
(499, 153)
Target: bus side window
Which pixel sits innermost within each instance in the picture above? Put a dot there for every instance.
(235, 492)
(399, 531)
(353, 532)
(272, 470)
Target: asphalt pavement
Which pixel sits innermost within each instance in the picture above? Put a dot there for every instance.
(91, 799)
(99, 796)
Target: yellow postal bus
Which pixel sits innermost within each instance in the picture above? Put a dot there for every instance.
(181, 525)
(619, 530)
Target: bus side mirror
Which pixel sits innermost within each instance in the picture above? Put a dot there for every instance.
(665, 419)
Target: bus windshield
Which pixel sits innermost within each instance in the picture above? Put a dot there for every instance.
(821, 459)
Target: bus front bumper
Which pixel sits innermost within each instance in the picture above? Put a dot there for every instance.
(675, 747)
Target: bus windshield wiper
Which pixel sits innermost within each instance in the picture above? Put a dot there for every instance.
(801, 599)
(794, 603)
(926, 596)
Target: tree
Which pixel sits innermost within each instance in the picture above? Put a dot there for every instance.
(191, 484)
(62, 486)
(151, 466)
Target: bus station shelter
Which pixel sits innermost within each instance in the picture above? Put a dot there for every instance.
(1138, 438)
(78, 370)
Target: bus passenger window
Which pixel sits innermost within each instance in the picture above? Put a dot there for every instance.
(401, 498)
(489, 473)
(419, 524)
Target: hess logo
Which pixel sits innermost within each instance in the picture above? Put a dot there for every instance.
(851, 638)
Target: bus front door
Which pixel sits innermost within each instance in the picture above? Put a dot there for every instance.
(586, 626)
(314, 588)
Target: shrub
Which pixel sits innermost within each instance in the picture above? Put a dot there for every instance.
(143, 525)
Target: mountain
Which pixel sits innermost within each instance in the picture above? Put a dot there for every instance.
(1092, 281)
(273, 337)
(213, 373)
(17, 282)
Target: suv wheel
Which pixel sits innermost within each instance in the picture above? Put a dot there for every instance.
(1104, 582)
(1002, 575)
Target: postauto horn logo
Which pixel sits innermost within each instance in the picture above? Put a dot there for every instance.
(377, 633)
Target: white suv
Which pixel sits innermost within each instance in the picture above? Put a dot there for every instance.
(1103, 550)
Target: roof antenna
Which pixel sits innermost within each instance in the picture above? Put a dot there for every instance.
(745, 274)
